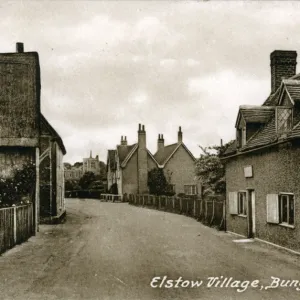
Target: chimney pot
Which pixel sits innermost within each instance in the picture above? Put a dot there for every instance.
(143, 128)
(140, 127)
(179, 135)
(20, 47)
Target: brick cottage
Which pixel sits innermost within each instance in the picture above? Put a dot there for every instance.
(263, 163)
(128, 165)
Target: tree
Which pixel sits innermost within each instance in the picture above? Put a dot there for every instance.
(86, 179)
(70, 185)
(103, 173)
(157, 182)
(211, 170)
(78, 164)
(67, 165)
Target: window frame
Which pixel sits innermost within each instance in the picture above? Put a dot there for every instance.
(191, 186)
(289, 196)
(277, 113)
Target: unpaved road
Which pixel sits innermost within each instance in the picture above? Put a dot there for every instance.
(114, 250)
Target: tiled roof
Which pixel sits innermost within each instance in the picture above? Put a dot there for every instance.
(163, 154)
(264, 136)
(53, 133)
(260, 114)
(273, 99)
(123, 151)
(267, 135)
(293, 88)
(231, 148)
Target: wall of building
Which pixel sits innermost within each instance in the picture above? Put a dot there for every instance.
(75, 173)
(20, 99)
(12, 158)
(45, 179)
(274, 170)
(91, 165)
(181, 169)
(60, 184)
(130, 176)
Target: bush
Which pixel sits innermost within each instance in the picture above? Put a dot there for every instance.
(20, 188)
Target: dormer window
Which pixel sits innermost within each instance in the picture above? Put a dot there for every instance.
(284, 117)
(241, 136)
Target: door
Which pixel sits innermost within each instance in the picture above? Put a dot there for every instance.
(251, 213)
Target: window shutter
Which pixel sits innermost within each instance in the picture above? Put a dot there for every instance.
(272, 209)
(233, 203)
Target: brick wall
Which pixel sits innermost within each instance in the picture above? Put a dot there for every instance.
(283, 64)
(130, 176)
(274, 170)
(182, 169)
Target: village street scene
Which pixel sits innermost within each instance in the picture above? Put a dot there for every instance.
(149, 150)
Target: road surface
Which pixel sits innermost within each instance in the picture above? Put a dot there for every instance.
(114, 250)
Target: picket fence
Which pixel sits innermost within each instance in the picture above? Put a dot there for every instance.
(16, 226)
(210, 210)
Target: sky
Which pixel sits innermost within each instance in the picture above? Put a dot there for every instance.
(107, 66)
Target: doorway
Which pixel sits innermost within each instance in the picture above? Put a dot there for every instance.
(251, 213)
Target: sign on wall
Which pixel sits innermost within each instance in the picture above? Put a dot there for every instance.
(248, 171)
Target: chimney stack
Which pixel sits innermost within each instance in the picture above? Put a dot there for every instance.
(142, 161)
(179, 135)
(20, 47)
(142, 136)
(160, 142)
(283, 65)
(123, 141)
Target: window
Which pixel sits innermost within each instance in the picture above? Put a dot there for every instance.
(93, 165)
(281, 209)
(190, 189)
(284, 119)
(286, 209)
(171, 188)
(242, 204)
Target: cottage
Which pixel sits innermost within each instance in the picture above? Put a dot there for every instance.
(52, 189)
(262, 164)
(178, 164)
(26, 137)
(128, 165)
(20, 116)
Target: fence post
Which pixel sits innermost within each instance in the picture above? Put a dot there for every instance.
(194, 210)
(213, 211)
(143, 200)
(15, 224)
(173, 203)
(180, 204)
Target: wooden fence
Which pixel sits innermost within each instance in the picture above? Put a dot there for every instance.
(16, 226)
(210, 210)
(111, 197)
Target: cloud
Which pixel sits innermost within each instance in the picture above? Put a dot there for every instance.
(107, 66)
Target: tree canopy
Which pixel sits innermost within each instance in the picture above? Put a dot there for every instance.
(158, 183)
(210, 169)
(86, 179)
